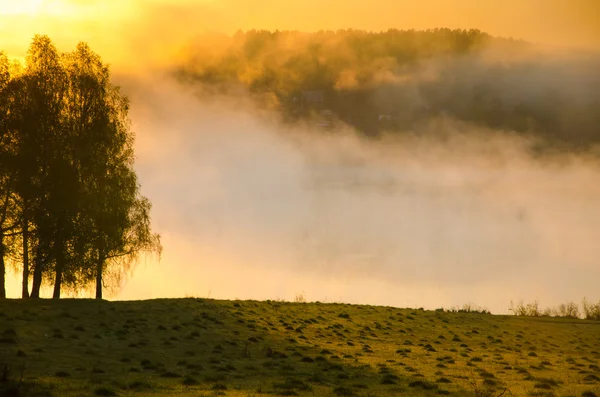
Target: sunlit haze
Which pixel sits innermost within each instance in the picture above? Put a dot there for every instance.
(124, 31)
(251, 208)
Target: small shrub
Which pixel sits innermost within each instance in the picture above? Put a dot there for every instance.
(170, 374)
(299, 298)
(591, 379)
(291, 384)
(591, 311)
(389, 379)
(139, 385)
(489, 382)
(190, 381)
(423, 384)
(569, 310)
(530, 309)
(105, 392)
(343, 391)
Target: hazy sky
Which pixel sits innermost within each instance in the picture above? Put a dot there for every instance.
(249, 209)
(126, 30)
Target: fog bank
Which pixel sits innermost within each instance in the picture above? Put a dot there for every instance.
(249, 208)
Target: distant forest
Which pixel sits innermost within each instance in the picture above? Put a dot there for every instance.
(399, 80)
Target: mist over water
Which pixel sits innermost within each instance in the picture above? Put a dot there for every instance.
(447, 213)
(251, 208)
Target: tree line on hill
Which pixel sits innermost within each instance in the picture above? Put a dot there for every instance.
(398, 80)
(587, 310)
(71, 211)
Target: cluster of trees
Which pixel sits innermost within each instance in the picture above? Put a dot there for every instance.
(466, 308)
(70, 207)
(411, 76)
(588, 310)
(288, 61)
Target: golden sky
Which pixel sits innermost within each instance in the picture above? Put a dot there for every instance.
(125, 30)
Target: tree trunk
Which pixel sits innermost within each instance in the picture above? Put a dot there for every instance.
(37, 276)
(59, 250)
(2, 270)
(58, 278)
(25, 285)
(99, 267)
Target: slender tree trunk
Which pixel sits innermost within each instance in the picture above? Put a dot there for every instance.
(2, 263)
(25, 285)
(37, 282)
(37, 275)
(58, 277)
(2, 270)
(99, 268)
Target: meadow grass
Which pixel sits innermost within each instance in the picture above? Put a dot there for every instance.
(204, 347)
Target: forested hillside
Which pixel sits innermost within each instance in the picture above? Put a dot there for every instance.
(400, 79)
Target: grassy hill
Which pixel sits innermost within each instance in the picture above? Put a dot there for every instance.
(203, 347)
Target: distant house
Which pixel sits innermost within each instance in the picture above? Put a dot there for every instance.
(313, 97)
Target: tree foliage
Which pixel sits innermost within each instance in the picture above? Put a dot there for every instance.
(68, 185)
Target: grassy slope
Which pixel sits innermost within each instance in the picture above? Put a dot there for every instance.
(247, 348)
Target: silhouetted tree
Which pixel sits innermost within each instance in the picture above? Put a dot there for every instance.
(115, 218)
(69, 196)
(43, 142)
(4, 171)
(25, 157)
(8, 201)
